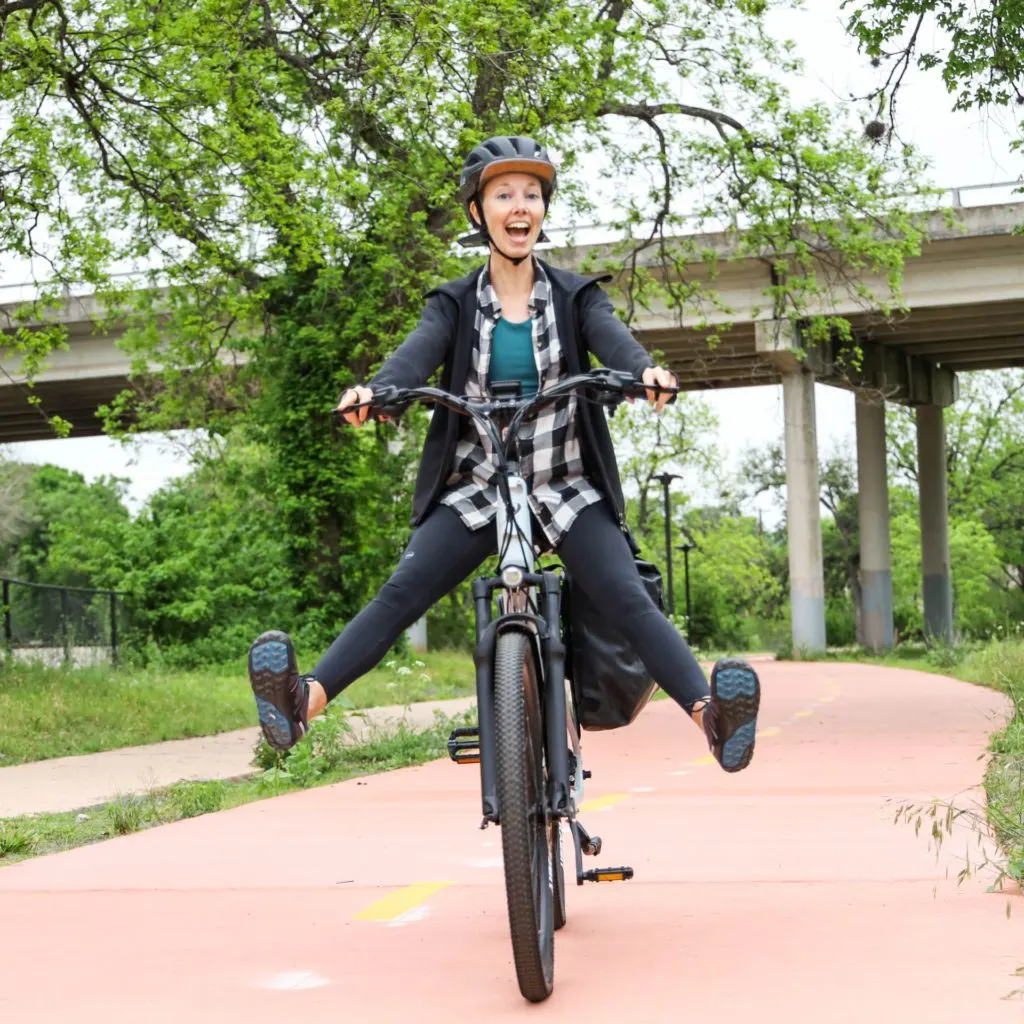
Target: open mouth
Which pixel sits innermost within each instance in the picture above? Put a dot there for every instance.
(518, 231)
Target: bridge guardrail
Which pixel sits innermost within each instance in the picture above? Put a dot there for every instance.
(25, 291)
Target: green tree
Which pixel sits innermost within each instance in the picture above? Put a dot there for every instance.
(980, 603)
(764, 471)
(67, 533)
(735, 580)
(52, 546)
(207, 560)
(984, 460)
(280, 177)
(680, 440)
(14, 477)
(978, 49)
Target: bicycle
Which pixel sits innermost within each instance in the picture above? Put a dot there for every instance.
(527, 738)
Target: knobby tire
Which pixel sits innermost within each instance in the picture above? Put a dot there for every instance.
(519, 729)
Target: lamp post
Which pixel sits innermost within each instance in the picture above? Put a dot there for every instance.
(666, 479)
(686, 549)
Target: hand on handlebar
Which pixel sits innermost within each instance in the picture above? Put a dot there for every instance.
(357, 396)
(606, 387)
(658, 376)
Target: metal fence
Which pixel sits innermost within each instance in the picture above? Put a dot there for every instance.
(61, 625)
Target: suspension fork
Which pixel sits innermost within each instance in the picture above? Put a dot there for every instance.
(553, 651)
(483, 656)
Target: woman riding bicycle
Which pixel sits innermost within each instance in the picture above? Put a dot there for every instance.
(513, 319)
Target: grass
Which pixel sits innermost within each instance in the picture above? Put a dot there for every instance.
(323, 761)
(1000, 666)
(58, 712)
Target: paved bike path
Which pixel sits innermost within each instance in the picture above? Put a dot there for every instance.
(84, 780)
(784, 893)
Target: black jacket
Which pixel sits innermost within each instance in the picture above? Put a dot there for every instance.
(445, 336)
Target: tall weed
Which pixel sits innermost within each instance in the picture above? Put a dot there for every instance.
(1000, 666)
(16, 838)
(128, 813)
(190, 799)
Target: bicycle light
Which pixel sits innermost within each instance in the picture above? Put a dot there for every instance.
(512, 576)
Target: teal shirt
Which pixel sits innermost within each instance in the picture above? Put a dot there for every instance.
(512, 355)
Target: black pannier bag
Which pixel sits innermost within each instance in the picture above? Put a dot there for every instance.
(610, 684)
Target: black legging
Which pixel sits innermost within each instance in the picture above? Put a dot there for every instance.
(442, 552)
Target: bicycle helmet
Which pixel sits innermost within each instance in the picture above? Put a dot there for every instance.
(502, 153)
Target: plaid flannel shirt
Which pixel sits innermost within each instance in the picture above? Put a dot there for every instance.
(550, 460)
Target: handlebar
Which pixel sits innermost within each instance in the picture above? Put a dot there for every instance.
(609, 388)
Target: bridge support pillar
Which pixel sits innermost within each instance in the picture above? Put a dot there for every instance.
(873, 501)
(806, 568)
(934, 512)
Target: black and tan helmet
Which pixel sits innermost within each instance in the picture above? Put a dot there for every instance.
(503, 153)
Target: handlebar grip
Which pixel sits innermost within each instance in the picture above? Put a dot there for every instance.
(386, 403)
(634, 387)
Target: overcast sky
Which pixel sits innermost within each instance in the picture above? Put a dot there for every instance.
(964, 148)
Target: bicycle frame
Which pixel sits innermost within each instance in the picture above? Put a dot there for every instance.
(519, 583)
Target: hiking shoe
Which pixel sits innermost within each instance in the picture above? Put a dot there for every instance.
(730, 717)
(282, 695)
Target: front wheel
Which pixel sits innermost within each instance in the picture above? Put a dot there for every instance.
(522, 804)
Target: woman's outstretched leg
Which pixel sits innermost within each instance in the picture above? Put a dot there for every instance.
(598, 559)
(441, 553)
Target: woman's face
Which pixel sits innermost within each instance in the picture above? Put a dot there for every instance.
(514, 210)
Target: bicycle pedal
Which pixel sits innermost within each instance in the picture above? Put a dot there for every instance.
(464, 745)
(608, 875)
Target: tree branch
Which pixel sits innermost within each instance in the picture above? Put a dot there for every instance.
(613, 11)
(7, 9)
(648, 111)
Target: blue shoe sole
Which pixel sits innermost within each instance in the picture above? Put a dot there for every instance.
(737, 691)
(270, 656)
(276, 727)
(271, 668)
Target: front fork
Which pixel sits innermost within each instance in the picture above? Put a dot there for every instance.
(552, 652)
(554, 698)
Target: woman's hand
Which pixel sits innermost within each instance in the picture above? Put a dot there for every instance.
(658, 375)
(355, 396)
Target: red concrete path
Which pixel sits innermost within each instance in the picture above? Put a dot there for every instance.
(784, 893)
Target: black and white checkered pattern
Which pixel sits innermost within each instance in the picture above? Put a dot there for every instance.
(549, 449)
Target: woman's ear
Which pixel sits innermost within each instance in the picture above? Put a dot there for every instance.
(474, 214)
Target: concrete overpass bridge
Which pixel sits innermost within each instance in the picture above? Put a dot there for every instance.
(965, 293)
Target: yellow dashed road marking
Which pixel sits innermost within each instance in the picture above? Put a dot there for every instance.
(600, 803)
(400, 901)
(803, 714)
(772, 730)
(707, 759)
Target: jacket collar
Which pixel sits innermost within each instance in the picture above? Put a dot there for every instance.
(564, 281)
